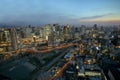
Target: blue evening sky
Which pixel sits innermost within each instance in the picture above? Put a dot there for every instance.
(35, 12)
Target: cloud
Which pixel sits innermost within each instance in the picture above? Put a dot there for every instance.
(38, 19)
(34, 19)
(50, 18)
(96, 16)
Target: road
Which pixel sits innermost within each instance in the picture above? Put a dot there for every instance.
(60, 71)
(49, 49)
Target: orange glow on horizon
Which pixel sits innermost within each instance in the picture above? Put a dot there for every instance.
(107, 19)
(100, 21)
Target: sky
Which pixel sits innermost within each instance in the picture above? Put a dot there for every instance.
(75, 12)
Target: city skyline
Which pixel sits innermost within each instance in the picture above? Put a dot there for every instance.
(24, 12)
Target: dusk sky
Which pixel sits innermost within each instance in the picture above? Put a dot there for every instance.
(36, 12)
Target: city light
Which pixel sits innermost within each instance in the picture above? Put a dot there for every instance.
(59, 40)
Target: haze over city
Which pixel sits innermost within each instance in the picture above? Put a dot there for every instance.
(75, 12)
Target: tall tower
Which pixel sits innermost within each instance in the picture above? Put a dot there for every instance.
(14, 41)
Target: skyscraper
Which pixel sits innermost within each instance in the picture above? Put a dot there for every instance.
(14, 41)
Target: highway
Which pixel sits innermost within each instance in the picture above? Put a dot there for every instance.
(49, 49)
(61, 70)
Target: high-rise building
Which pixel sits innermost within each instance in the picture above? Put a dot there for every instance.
(1, 32)
(47, 31)
(83, 29)
(28, 32)
(14, 41)
(66, 31)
